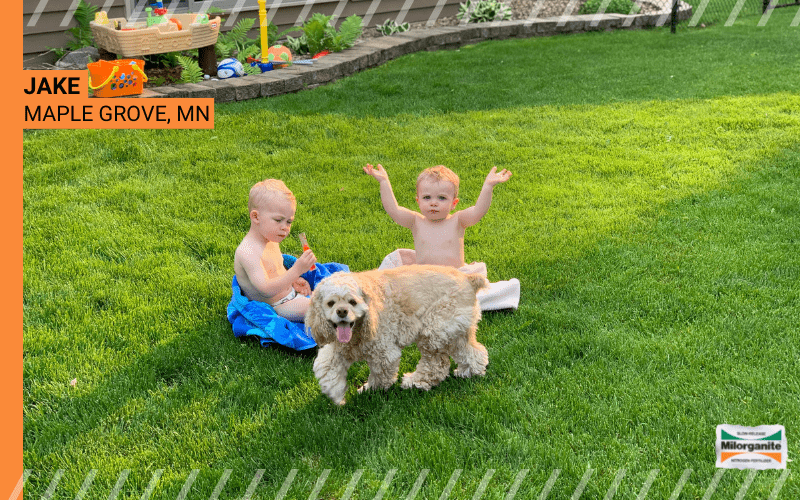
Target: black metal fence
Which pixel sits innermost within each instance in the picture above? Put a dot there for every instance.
(727, 11)
(722, 11)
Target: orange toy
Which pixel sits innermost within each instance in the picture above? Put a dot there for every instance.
(302, 237)
(278, 54)
(117, 78)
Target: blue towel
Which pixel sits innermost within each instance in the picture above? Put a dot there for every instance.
(250, 317)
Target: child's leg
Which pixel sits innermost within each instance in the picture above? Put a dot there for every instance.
(474, 268)
(295, 309)
(408, 257)
(400, 257)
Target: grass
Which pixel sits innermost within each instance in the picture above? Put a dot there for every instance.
(652, 220)
(592, 68)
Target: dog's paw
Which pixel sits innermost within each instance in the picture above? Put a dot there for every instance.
(409, 382)
(468, 372)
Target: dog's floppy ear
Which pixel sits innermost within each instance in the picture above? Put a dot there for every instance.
(316, 322)
(367, 325)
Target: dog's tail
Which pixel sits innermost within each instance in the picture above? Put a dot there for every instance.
(477, 281)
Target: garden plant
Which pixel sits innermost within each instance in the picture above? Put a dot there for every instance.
(612, 6)
(390, 27)
(652, 219)
(81, 33)
(483, 11)
(320, 35)
(233, 43)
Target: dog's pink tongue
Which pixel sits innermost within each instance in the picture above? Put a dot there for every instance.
(343, 333)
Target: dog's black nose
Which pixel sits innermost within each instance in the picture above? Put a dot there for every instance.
(341, 312)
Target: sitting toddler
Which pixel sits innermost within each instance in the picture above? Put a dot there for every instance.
(258, 261)
(438, 234)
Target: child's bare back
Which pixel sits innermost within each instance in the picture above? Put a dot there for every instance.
(252, 253)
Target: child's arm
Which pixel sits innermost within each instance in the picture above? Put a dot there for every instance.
(267, 288)
(400, 215)
(472, 215)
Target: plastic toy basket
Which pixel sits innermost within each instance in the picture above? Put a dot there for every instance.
(117, 78)
(139, 39)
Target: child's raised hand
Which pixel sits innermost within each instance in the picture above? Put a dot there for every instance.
(305, 261)
(494, 178)
(377, 172)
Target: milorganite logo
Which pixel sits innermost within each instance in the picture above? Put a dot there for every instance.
(762, 447)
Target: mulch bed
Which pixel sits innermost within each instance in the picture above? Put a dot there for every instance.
(162, 76)
(521, 9)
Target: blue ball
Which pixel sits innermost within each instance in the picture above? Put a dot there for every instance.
(229, 68)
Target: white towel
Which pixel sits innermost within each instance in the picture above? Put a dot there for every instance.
(499, 295)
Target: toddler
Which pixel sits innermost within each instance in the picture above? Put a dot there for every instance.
(258, 261)
(438, 234)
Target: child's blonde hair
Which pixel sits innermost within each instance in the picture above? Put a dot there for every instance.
(265, 191)
(439, 173)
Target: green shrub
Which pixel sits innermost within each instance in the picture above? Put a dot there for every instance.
(82, 32)
(616, 6)
(484, 11)
(236, 41)
(273, 36)
(349, 31)
(192, 73)
(316, 31)
(319, 34)
(165, 59)
(297, 45)
(251, 69)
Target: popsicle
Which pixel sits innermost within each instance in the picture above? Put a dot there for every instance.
(304, 241)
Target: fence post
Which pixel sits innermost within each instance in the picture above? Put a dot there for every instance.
(674, 19)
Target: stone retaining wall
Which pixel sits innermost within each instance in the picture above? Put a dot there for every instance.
(377, 51)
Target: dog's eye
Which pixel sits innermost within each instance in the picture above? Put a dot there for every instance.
(353, 302)
(331, 303)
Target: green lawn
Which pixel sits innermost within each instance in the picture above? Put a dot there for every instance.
(653, 220)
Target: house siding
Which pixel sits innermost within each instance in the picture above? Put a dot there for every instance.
(48, 29)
